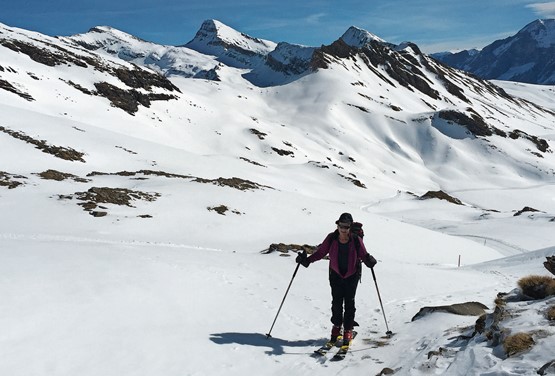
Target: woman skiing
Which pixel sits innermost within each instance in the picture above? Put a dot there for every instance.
(346, 252)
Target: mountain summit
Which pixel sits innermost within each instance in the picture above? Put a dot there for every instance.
(528, 56)
(356, 37)
(542, 32)
(232, 47)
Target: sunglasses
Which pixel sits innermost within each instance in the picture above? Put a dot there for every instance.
(344, 227)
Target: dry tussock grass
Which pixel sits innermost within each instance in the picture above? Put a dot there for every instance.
(551, 313)
(517, 343)
(537, 286)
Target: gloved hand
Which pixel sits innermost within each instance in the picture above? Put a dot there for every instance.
(302, 259)
(370, 261)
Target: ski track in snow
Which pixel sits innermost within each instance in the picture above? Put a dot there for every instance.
(76, 239)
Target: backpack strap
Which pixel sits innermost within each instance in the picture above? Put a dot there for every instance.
(357, 240)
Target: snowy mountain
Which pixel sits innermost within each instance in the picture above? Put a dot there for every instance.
(459, 59)
(356, 37)
(167, 60)
(139, 183)
(524, 57)
(230, 46)
(215, 45)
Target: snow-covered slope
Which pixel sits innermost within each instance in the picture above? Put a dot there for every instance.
(134, 205)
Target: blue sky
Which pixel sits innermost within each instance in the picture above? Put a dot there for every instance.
(434, 25)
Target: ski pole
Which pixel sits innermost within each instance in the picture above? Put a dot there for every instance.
(281, 305)
(389, 333)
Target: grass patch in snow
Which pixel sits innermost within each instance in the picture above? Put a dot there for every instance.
(537, 286)
(517, 343)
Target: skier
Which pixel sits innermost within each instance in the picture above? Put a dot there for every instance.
(346, 251)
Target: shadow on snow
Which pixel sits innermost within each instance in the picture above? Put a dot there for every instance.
(276, 345)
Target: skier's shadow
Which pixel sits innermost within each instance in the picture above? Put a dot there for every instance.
(276, 345)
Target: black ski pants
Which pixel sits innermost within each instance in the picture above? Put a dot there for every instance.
(343, 291)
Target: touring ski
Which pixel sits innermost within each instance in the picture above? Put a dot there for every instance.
(343, 350)
(327, 346)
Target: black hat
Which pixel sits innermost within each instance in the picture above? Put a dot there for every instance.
(345, 218)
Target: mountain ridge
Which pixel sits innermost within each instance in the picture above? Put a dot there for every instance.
(379, 82)
(526, 56)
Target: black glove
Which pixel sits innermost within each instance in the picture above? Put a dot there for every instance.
(370, 261)
(302, 259)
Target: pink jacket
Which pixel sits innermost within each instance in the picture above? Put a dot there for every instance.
(331, 246)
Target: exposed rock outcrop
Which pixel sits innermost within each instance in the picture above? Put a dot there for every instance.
(465, 309)
(550, 264)
(60, 176)
(68, 154)
(284, 249)
(440, 195)
(10, 181)
(526, 209)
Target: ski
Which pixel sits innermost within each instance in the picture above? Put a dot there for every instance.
(326, 347)
(343, 350)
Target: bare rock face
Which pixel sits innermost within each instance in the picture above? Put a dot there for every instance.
(61, 152)
(526, 209)
(10, 180)
(285, 248)
(475, 123)
(92, 200)
(116, 196)
(440, 195)
(465, 309)
(550, 264)
(128, 100)
(5, 85)
(60, 176)
(548, 368)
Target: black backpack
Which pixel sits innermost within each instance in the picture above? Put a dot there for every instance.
(356, 229)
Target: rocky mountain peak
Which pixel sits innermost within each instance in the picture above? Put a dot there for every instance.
(542, 31)
(527, 56)
(229, 45)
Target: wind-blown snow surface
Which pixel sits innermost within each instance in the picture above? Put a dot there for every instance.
(187, 291)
